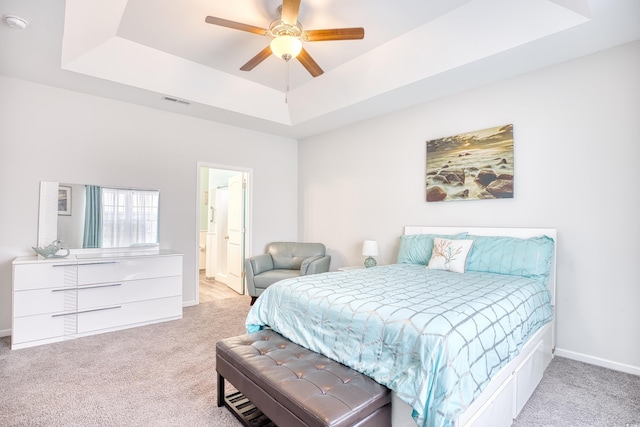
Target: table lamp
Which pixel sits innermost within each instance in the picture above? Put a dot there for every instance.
(370, 249)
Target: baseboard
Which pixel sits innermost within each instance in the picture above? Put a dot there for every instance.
(629, 369)
(5, 332)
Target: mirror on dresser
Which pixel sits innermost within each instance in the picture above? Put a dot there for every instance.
(87, 216)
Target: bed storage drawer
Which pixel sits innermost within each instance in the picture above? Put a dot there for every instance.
(528, 376)
(498, 410)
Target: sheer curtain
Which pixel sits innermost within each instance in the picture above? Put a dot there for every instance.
(130, 217)
(92, 237)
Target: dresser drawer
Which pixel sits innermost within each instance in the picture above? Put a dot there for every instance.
(43, 301)
(130, 314)
(42, 327)
(91, 296)
(44, 275)
(60, 299)
(129, 268)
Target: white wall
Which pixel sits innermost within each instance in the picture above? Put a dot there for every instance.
(50, 134)
(576, 151)
(576, 128)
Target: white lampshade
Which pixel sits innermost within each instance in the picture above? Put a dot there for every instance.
(370, 248)
(286, 47)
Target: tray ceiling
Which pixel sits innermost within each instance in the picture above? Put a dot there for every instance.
(144, 51)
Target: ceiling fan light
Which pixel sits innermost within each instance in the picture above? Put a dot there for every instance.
(286, 47)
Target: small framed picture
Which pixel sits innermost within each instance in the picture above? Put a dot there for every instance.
(64, 200)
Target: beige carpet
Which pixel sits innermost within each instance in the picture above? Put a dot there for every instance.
(157, 375)
(164, 375)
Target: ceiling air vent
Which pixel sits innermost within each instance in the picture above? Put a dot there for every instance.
(179, 101)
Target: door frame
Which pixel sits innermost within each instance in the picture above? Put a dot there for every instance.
(248, 217)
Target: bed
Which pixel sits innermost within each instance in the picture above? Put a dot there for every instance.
(456, 348)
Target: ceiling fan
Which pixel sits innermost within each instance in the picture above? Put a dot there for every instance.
(288, 35)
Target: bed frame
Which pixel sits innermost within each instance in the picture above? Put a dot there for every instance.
(505, 396)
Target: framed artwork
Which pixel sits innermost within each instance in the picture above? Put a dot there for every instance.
(471, 166)
(64, 200)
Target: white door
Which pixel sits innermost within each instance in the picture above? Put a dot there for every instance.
(212, 250)
(235, 233)
(202, 262)
(221, 215)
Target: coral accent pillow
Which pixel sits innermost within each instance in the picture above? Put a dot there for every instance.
(449, 255)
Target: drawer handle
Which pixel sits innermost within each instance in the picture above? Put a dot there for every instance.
(86, 287)
(98, 263)
(64, 314)
(63, 265)
(86, 311)
(99, 286)
(99, 309)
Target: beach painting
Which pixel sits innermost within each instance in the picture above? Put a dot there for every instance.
(471, 166)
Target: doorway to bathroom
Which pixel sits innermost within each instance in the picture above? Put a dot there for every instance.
(222, 231)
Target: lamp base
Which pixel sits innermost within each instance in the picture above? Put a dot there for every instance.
(370, 262)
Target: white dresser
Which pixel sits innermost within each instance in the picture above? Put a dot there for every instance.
(92, 293)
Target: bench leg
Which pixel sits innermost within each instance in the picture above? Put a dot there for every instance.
(220, 390)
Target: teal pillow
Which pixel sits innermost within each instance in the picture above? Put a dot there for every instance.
(530, 257)
(417, 248)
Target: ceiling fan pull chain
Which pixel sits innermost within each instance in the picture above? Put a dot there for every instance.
(286, 92)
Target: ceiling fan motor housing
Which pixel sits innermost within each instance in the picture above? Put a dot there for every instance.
(279, 28)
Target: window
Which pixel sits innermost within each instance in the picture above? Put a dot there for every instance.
(129, 217)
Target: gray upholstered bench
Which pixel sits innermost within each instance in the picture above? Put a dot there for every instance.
(294, 386)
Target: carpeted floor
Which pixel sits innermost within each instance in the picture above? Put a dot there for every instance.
(156, 375)
(164, 375)
(578, 394)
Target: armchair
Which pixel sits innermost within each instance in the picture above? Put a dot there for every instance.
(282, 261)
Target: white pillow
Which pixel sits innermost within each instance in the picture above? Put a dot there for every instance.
(449, 255)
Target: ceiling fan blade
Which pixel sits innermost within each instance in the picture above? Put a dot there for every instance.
(290, 9)
(307, 62)
(236, 25)
(253, 62)
(334, 34)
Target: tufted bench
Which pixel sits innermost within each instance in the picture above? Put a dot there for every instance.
(294, 386)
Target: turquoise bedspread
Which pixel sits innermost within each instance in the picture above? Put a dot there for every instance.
(434, 337)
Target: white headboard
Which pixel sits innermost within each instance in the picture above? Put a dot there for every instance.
(522, 233)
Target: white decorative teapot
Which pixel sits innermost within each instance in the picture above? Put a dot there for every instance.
(51, 251)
